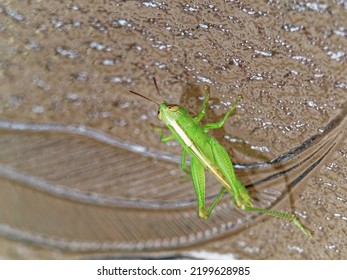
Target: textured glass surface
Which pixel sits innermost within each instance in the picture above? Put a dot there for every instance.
(83, 173)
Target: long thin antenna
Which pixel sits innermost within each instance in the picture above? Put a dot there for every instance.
(145, 97)
(156, 86)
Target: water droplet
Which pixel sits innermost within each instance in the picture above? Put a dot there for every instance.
(97, 46)
(292, 27)
(67, 53)
(143, 117)
(161, 45)
(204, 79)
(41, 84)
(336, 55)
(191, 8)
(340, 84)
(72, 96)
(257, 77)
(120, 79)
(99, 26)
(75, 7)
(340, 31)
(160, 65)
(14, 14)
(120, 122)
(294, 72)
(311, 104)
(263, 53)
(82, 76)
(108, 62)
(300, 58)
(122, 23)
(205, 26)
(154, 4)
(260, 149)
(318, 7)
(37, 109)
(296, 249)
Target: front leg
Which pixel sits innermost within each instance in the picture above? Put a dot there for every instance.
(226, 116)
(199, 117)
(161, 135)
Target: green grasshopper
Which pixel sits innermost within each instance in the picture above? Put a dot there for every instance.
(206, 153)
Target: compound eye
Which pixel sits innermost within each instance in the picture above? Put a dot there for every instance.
(172, 107)
(159, 115)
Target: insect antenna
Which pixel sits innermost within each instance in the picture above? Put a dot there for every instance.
(145, 97)
(156, 87)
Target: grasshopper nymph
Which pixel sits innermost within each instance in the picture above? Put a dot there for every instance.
(206, 153)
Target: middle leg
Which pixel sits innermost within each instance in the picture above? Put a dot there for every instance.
(226, 116)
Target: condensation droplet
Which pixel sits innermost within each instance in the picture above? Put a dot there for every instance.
(66, 53)
(72, 96)
(37, 109)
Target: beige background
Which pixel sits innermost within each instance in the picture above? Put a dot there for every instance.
(82, 171)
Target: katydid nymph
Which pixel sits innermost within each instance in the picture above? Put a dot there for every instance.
(206, 153)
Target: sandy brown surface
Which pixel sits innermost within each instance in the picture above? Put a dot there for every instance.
(82, 171)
